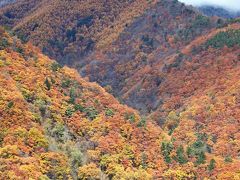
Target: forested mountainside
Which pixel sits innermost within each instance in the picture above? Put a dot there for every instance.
(56, 125)
(218, 11)
(178, 68)
(67, 30)
(112, 43)
(128, 64)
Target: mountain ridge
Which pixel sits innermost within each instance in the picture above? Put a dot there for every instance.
(218, 11)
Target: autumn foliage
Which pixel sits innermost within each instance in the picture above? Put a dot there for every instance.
(53, 122)
(180, 69)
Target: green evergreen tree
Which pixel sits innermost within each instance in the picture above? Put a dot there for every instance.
(211, 165)
(180, 157)
(48, 84)
(201, 158)
(166, 149)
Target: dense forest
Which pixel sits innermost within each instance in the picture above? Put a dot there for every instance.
(139, 89)
(56, 125)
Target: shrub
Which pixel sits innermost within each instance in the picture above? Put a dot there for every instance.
(10, 104)
(71, 34)
(53, 81)
(91, 113)
(38, 138)
(37, 118)
(229, 38)
(166, 150)
(66, 83)
(8, 151)
(79, 107)
(3, 43)
(57, 44)
(87, 21)
(56, 165)
(72, 96)
(76, 157)
(58, 131)
(142, 122)
(201, 21)
(130, 117)
(2, 135)
(211, 166)
(109, 112)
(144, 160)
(55, 66)
(48, 84)
(28, 95)
(9, 15)
(90, 171)
(42, 105)
(235, 20)
(42, 110)
(147, 40)
(228, 159)
(20, 50)
(179, 174)
(43, 177)
(172, 122)
(109, 89)
(33, 56)
(69, 112)
(2, 63)
(22, 37)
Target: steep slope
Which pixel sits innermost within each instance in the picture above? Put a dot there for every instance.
(128, 64)
(67, 30)
(170, 62)
(53, 122)
(113, 43)
(56, 125)
(200, 100)
(183, 77)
